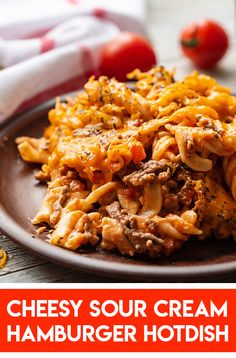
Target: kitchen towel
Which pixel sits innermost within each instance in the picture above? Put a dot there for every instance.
(50, 47)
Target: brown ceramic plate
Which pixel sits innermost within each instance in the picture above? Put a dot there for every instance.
(21, 197)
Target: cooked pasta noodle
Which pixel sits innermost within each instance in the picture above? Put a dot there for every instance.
(140, 169)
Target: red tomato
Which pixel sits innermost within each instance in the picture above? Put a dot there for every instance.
(204, 42)
(138, 152)
(125, 53)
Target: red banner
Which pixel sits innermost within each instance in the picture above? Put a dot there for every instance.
(111, 320)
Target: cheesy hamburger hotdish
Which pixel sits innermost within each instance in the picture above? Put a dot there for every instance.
(139, 170)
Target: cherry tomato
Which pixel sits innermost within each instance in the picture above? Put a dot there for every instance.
(125, 53)
(204, 42)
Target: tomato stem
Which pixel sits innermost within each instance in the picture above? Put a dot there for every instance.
(193, 42)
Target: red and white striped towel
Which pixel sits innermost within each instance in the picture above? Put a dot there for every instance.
(48, 47)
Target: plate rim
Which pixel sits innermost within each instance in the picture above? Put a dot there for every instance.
(11, 229)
